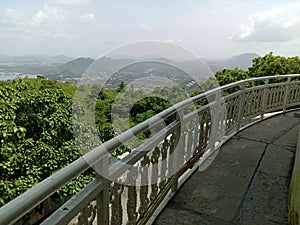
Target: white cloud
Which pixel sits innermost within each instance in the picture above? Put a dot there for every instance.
(69, 2)
(87, 17)
(40, 17)
(13, 19)
(11, 13)
(49, 15)
(275, 25)
(45, 22)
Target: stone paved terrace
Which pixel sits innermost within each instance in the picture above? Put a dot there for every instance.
(248, 182)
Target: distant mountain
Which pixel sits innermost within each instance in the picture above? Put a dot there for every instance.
(109, 65)
(153, 72)
(62, 67)
(243, 61)
(114, 71)
(198, 66)
(60, 58)
(103, 65)
(35, 59)
(75, 68)
(158, 71)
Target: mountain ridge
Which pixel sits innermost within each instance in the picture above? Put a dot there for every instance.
(111, 65)
(35, 59)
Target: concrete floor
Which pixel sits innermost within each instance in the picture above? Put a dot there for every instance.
(247, 184)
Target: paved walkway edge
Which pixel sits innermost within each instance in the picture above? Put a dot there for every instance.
(294, 205)
(274, 134)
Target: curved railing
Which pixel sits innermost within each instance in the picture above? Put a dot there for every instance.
(163, 162)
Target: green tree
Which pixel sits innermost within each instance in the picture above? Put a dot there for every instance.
(227, 76)
(36, 138)
(121, 86)
(270, 64)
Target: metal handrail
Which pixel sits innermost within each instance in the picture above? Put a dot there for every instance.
(18, 207)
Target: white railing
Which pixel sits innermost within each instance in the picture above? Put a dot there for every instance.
(141, 183)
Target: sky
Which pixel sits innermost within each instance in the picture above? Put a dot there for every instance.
(91, 28)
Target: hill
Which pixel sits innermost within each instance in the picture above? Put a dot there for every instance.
(75, 68)
(242, 61)
(115, 70)
(104, 67)
(144, 72)
(35, 59)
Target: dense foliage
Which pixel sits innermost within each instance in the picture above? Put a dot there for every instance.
(36, 137)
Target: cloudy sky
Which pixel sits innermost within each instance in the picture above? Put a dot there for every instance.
(210, 28)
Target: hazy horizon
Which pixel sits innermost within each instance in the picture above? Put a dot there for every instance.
(146, 57)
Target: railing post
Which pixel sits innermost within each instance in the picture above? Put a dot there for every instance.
(216, 121)
(103, 197)
(241, 107)
(178, 150)
(264, 99)
(286, 94)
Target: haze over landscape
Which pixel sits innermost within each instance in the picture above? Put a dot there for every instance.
(90, 28)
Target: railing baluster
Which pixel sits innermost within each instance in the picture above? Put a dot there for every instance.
(144, 200)
(241, 107)
(172, 144)
(196, 136)
(163, 169)
(207, 128)
(103, 198)
(216, 121)
(201, 134)
(286, 94)
(87, 216)
(154, 174)
(132, 197)
(189, 139)
(178, 153)
(116, 204)
(264, 99)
